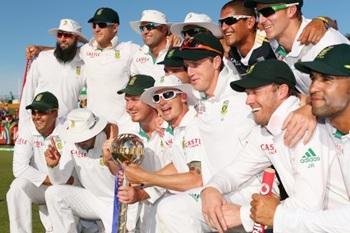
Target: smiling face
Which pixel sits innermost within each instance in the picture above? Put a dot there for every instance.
(330, 95)
(155, 36)
(44, 121)
(263, 101)
(235, 34)
(137, 109)
(172, 110)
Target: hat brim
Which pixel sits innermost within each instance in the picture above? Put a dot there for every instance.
(196, 54)
(76, 137)
(40, 107)
(147, 95)
(320, 67)
(248, 83)
(131, 91)
(136, 24)
(177, 28)
(82, 38)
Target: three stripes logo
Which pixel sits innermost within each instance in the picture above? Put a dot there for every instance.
(309, 157)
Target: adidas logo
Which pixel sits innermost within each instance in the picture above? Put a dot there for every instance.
(309, 156)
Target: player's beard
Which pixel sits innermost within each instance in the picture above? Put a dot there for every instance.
(67, 54)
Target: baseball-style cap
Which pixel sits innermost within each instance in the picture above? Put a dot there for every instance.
(333, 60)
(252, 3)
(173, 58)
(264, 73)
(137, 85)
(201, 46)
(43, 102)
(105, 15)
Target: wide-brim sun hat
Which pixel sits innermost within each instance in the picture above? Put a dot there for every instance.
(82, 125)
(152, 16)
(70, 26)
(201, 20)
(169, 82)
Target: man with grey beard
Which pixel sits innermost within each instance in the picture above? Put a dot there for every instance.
(57, 70)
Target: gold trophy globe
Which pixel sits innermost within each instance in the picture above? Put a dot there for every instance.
(126, 148)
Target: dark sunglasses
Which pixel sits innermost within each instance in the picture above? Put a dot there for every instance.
(232, 19)
(148, 26)
(270, 10)
(192, 31)
(166, 95)
(64, 34)
(101, 25)
(191, 43)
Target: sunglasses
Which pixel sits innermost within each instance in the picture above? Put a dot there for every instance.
(191, 43)
(232, 19)
(192, 31)
(64, 34)
(101, 25)
(166, 95)
(268, 11)
(148, 26)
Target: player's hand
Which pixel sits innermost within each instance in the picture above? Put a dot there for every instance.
(52, 155)
(128, 194)
(313, 32)
(32, 51)
(212, 203)
(107, 145)
(231, 214)
(263, 208)
(300, 124)
(135, 174)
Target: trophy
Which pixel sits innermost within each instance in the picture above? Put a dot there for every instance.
(126, 148)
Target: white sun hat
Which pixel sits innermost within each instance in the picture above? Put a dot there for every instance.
(71, 26)
(152, 16)
(201, 20)
(81, 125)
(169, 82)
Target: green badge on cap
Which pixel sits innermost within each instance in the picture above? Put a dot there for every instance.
(132, 81)
(99, 12)
(347, 67)
(324, 52)
(250, 69)
(171, 53)
(39, 97)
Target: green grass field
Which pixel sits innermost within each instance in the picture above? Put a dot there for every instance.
(5, 180)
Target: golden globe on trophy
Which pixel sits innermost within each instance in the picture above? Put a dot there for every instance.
(126, 148)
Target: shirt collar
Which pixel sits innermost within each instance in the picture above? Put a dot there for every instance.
(188, 117)
(278, 117)
(335, 133)
(114, 41)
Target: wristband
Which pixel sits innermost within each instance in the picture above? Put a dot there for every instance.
(325, 21)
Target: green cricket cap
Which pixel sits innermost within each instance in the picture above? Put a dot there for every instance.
(172, 58)
(105, 15)
(137, 85)
(264, 73)
(333, 60)
(44, 101)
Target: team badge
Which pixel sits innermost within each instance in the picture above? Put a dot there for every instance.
(117, 54)
(324, 52)
(78, 70)
(39, 97)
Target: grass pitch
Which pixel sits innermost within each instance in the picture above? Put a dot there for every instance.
(6, 178)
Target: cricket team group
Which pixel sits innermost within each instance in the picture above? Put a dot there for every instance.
(215, 105)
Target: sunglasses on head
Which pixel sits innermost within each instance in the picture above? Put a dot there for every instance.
(194, 44)
(270, 10)
(191, 32)
(166, 95)
(101, 25)
(64, 34)
(232, 19)
(148, 26)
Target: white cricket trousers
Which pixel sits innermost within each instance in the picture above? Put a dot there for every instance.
(65, 203)
(21, 195)
(182, 212)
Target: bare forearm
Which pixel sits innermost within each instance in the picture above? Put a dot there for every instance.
(178, 182)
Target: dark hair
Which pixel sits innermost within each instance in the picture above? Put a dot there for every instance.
(238, 5)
